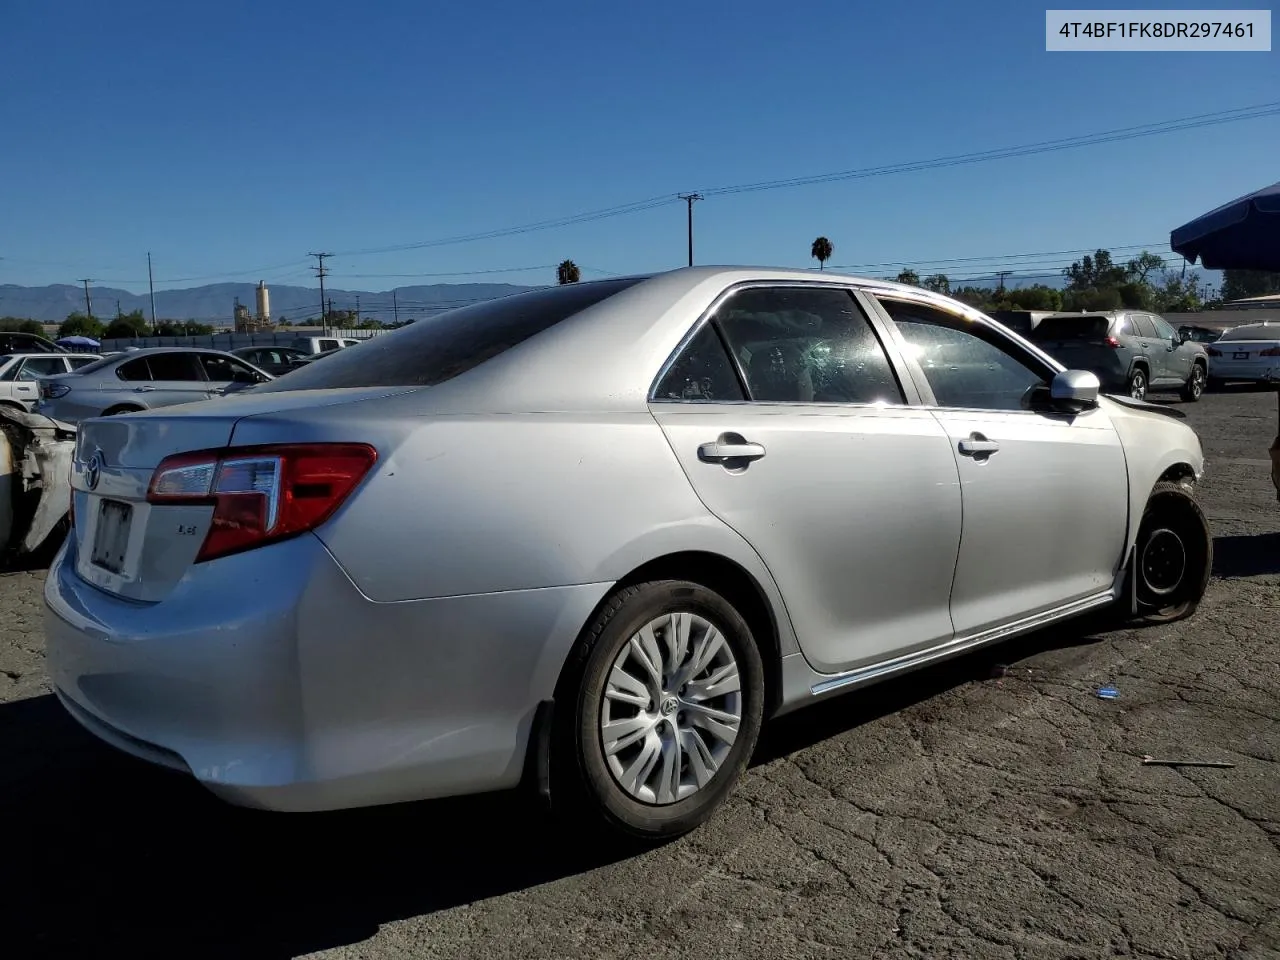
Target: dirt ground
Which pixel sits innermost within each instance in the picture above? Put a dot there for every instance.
(952, 813)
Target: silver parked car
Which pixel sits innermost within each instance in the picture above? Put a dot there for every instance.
(145, 379)
(593, 536)
(1131, 352)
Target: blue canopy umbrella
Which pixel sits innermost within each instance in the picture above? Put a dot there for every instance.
(79, 342)
(1241, 235)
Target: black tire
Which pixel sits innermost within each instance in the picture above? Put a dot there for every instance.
(1194, 387)
(1174, 536)
(1136, 387)
(122, 408)
(583, 789)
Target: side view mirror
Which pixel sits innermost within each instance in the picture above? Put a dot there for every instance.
(1074, 391)
(1183, 337)
(245, 376)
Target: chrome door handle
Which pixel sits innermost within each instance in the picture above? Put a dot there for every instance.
(729, 446)
(978, 446)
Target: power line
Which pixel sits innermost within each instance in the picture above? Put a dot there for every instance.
(1045, 146)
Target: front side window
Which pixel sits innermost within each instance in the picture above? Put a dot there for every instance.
(806, 345)
(1163, 330)
(967, 364)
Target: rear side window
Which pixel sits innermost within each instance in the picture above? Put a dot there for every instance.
(702, 373)
(79, 363)
(174, 366)
(134, 370)
(806, 345)
(436, 349)
(42, 367)
(1071, 328)
(1142, 326)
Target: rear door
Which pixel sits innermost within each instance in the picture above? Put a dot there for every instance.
(790, 422)
(170, 378)
(25, 387)
(1045, 496)
(1177, 356)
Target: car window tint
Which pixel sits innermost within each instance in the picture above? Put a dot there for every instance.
(435, 349)
(1163, 330)
(79, 363)
(806, 345)
(174, 366)
(221, 369)
(42, 367)
(703, 372)
(967, 364)
(328, 345)
(1142, 325)
(133, 370)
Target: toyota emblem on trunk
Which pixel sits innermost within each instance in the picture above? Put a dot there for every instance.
(93, 470)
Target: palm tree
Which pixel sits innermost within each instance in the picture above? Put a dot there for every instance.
(568, 272)
(821, 251)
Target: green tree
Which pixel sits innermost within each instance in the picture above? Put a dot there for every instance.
(127, 326)
(568, 272)
(1092, 299)
(21, 325)
(1178, 294)
(1144, 266)
(938, 283)
(1036, 297)
(1098, 272)
(909, 277)
(1239, 284)
(977, 297)
(79, 325)
(821, 250)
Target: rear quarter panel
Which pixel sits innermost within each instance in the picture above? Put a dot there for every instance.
(488, 503)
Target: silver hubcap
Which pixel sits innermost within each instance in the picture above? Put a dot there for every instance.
(1164, 562)
(672, 709)
(1138, 388)
(1197, 381)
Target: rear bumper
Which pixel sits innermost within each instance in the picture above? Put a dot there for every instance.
(278, 685)
(1266, 368)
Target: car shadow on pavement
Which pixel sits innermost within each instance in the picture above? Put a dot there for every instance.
(109, 856)
(1246, 555)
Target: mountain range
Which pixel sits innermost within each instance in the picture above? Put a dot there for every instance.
(215, 303)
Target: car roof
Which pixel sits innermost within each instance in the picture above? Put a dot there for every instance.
(606, 356)
(46, 353)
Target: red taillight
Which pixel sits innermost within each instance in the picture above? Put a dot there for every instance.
(1111, 341)
(1214, 352)
(1270, 352)
(261, 494)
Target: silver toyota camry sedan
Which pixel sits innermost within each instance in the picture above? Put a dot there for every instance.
(592, 537)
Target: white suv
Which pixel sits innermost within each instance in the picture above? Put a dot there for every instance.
(20, 371)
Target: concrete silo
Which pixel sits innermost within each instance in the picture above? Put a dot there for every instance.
(264, 303)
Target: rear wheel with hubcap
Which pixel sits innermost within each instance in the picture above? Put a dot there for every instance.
(1173, 555)
(658, 712)
(1138, 384)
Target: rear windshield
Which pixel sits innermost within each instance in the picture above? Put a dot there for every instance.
(1071, 328)
(436, 349)
(1252, 332)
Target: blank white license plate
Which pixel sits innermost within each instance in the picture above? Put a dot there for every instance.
(1240, 356)
(112, 537)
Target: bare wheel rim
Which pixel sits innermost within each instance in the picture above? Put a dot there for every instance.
(1138, 386)
(1164, 562)
(1197, 380)
(671, 710)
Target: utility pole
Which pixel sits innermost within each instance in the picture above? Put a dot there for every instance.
(327, 316)
(395, 307)
(88, 304)
(321, 272)
(689, 198)
(118, 313)
(357, 310)
(151, 284)
(1000, 277)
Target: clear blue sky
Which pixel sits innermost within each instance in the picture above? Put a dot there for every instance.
(232, 138)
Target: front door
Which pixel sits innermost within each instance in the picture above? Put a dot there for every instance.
(1045, 496)
(850, 496)
(1177, 355)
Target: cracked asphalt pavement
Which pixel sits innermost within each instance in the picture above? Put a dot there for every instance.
(967, 811)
